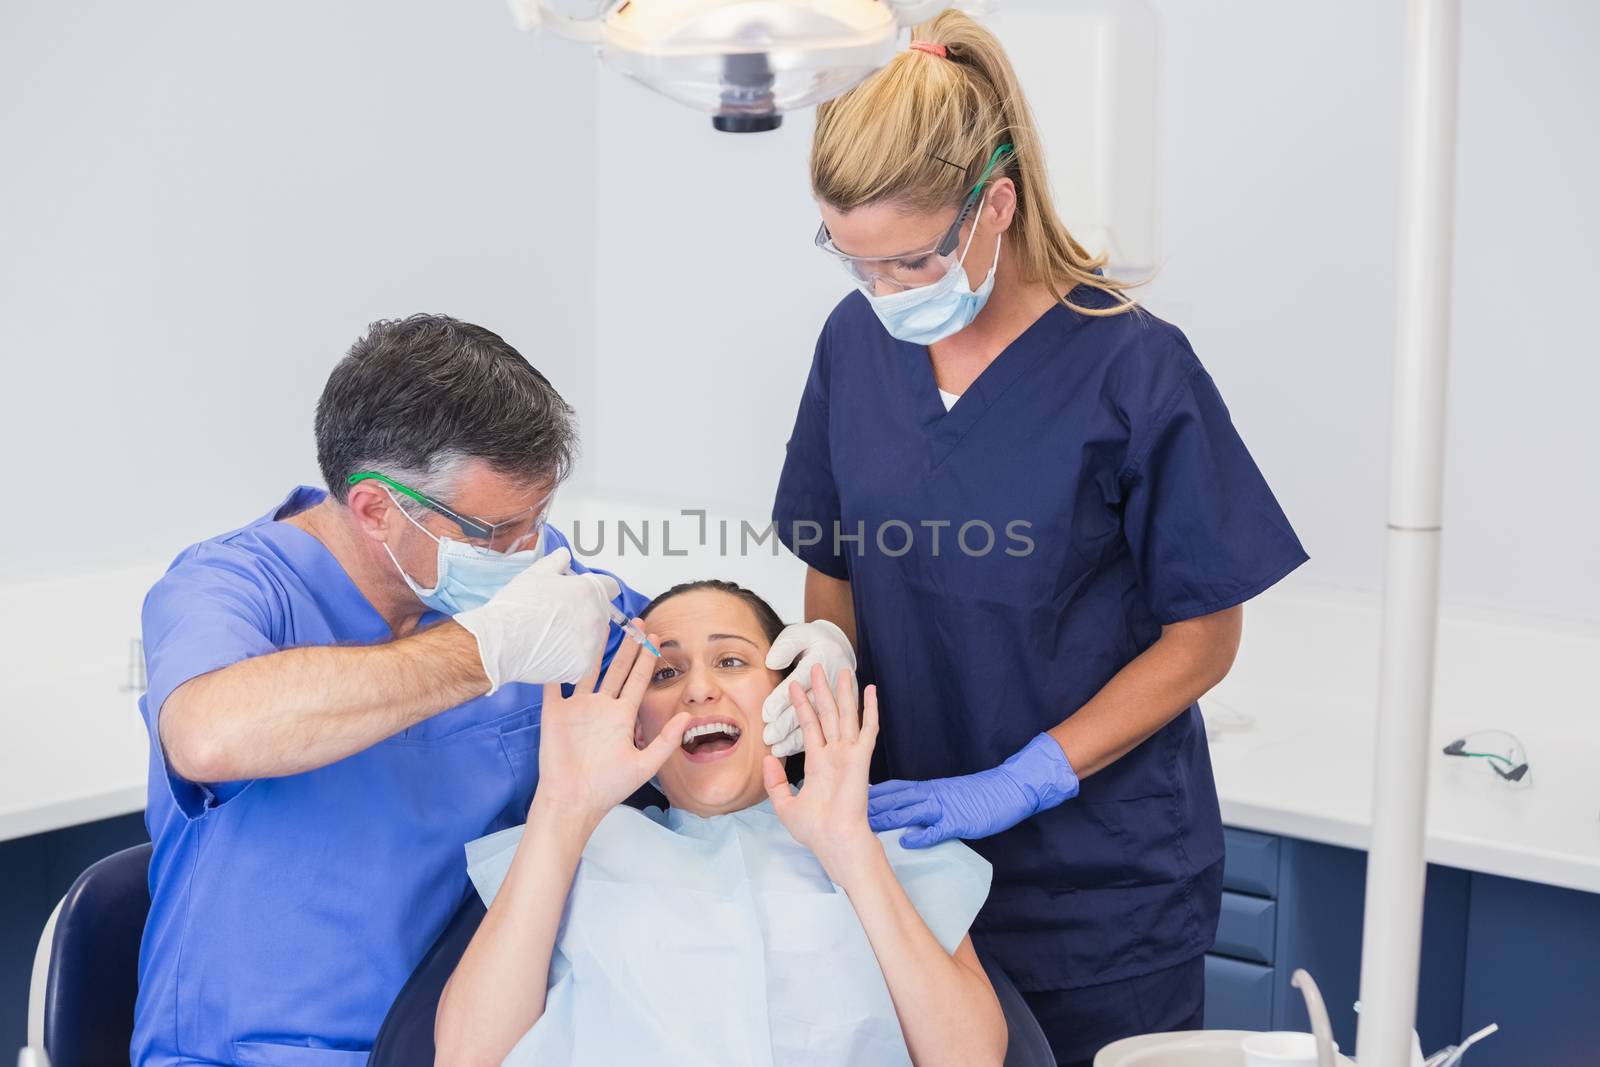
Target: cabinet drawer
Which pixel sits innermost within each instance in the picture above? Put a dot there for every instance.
(1250, 864)
(1238, 995)
(1247, 928)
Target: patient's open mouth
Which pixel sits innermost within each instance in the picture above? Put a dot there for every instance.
(709, 741)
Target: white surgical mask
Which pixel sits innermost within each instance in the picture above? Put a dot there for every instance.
(930, 313)
(468, 575)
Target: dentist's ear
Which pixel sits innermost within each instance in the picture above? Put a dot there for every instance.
(371, 507)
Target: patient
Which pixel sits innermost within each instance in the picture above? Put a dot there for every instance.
(747, 924)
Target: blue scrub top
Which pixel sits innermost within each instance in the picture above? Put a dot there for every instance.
(1103, 492)
(286, 913)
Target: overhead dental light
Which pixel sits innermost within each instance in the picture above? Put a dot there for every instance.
(745, 62)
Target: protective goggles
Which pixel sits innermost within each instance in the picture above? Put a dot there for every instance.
(1502, 752)
(506, 536)
(912, 270)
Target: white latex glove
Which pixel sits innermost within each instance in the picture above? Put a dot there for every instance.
(814, 642)
(545, 626)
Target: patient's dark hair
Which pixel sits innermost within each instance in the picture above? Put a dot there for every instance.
(771, 625)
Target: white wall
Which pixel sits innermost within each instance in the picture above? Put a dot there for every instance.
(202, 205)
(1523, 489)
(1279, 187)
(710, 298)
(1279, 171)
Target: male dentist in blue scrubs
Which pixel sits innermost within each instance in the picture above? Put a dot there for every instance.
(345, 691)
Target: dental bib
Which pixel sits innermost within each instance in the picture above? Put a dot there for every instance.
(721, 941)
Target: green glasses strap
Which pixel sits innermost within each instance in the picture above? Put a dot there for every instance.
(994, 161)
(374, 476)
(470, 527)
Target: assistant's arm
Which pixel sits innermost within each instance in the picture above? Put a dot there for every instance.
(1186, 661)
(829, 598)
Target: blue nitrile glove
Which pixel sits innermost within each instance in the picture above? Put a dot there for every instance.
(975, 805)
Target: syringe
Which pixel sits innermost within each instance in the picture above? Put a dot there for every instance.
(631, 629)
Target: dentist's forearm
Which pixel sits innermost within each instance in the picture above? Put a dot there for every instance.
(1185, 662)
(304, 708)
(498, 989)
(946, 1006)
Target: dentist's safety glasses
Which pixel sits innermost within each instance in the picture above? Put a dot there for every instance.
(912, 270)
(1502, 752)
(508, 535)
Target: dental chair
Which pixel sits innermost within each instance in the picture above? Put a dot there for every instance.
(86, 970)
(86, 979)
(406, 1039)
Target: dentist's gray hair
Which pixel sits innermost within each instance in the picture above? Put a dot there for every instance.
(418, 398)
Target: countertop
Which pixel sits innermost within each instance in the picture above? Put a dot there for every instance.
(1293, 726)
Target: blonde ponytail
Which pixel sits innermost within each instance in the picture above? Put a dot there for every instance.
(919, 132)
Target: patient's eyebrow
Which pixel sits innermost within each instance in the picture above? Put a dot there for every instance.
(711, 637)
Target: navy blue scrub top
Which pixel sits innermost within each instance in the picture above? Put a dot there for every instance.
(286, 913)
(1007, 558)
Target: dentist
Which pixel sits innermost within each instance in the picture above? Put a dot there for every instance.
(345, 691)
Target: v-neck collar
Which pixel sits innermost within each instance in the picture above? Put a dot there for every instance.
(945, 429)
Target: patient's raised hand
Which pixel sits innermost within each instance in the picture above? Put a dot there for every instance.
(588, 762)
(829, 814)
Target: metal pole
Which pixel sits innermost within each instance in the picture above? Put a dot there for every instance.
(1391, 941)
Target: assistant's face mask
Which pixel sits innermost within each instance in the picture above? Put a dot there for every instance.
(469, 575)
(930, 313)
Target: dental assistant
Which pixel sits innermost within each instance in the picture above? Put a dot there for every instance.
(1038, 524)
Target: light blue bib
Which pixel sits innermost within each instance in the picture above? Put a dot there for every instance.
(721, 941)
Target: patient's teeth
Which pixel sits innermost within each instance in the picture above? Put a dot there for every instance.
(706, 729)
